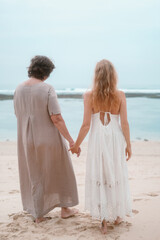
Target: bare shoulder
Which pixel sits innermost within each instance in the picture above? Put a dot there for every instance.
(87, 95)
(121, 95)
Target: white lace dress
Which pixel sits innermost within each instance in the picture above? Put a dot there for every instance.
(107, 194)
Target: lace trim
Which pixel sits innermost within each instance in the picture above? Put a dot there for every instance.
(108, 212)
(106, 183)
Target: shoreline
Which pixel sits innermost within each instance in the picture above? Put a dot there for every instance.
(137, 139)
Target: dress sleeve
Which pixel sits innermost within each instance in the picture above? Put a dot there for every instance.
(53, 105)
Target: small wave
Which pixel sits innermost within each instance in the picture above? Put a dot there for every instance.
(141, 90)
(83, 90)
(5, 91)
(71, 91)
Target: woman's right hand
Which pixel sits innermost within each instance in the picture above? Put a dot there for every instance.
(128, 152)
(71, 143)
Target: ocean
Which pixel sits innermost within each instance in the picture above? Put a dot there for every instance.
(143, 113)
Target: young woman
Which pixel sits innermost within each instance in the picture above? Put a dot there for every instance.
(107, 194)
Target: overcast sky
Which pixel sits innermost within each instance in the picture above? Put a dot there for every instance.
(77, 34)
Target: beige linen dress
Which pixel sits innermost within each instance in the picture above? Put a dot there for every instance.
(47, 178)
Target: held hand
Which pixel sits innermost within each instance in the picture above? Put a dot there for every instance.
(128, 152)
(75, 149)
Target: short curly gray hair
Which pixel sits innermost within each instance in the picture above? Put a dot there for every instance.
(40, 67)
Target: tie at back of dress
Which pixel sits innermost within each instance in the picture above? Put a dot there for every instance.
(105, 118)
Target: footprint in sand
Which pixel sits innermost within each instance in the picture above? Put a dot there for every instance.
(117, 237)
(128, 224)
(137, 199)
(14, 191)
(152, 194)
(59, 221)
(81, 228)
(135, 211)
(110, 227)
(75, 223)
(82, 237)
(9, 224)
(12, 214)
(18, 215)
(59, 231)
(22, 232)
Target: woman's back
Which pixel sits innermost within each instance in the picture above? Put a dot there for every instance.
(33, 106)
(33, 99)
(106, 120)
(112, 106)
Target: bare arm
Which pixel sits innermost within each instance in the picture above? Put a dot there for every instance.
(61, 126)
(124, 124)
(86, 122)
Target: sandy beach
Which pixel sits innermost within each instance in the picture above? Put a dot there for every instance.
(144, 179)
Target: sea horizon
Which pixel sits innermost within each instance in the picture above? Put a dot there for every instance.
(78, 92)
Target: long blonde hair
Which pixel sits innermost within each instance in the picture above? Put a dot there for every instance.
(104, 84)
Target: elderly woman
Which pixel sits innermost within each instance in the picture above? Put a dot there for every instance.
(47, 178)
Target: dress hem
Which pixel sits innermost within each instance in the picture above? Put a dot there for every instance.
(111, 220)
(50, 209)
